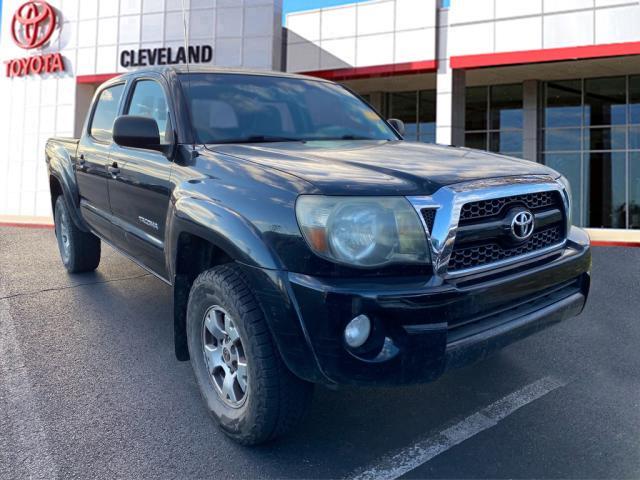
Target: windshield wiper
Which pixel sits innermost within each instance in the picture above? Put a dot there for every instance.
(275, 138)
(343, 137)
(260, 139)
(356, 137)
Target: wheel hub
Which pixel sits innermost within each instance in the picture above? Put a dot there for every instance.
(63, 235)
(224, 356)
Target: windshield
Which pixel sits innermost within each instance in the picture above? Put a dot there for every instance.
(232, 108)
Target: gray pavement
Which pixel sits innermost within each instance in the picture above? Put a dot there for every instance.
(89, 388)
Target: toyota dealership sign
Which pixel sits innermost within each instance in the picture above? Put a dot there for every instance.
(32, 27)
(33, 24)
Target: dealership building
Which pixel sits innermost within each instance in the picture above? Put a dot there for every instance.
(551, 81)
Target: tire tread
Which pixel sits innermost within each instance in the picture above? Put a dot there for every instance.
(85, 246)
(283, 399)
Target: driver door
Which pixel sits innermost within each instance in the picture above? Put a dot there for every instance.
(141, 190)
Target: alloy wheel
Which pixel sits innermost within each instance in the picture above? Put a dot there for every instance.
(225, 356)
(64, 234)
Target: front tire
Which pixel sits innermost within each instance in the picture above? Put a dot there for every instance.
(80, 251)
(246, 386)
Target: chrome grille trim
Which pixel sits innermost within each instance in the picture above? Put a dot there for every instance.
(488, 253)
(449, 201)
(485, 209)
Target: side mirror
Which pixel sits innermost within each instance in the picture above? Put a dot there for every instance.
(137, 132)
(398, 125)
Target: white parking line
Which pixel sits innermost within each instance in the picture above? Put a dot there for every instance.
(410, 458)
(27, 429)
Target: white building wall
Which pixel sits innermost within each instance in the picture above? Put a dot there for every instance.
(477, 27)
(379, 32)
(34, 108)
(243, 33)
(248, 33)
(450, 87)
(494, 26)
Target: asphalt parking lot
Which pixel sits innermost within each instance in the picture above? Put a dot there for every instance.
(89, 388)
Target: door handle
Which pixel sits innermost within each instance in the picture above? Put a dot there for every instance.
(113, 169)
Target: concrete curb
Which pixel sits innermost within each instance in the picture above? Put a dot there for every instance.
(25, 222)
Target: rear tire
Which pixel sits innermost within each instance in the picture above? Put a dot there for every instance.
(228, 336)
(79, 251)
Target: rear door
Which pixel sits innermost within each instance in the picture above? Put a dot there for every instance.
(92, 161)
(141, 190)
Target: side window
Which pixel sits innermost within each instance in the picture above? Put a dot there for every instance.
(105, 113)
(148, 100)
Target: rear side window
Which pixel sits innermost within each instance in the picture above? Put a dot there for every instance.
(105, 113)
(148, 100)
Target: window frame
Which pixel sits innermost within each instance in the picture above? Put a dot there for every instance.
(388, 108)
(391, 114)
(583, 193)
(94, 107)
(489, 132)
(170, 134)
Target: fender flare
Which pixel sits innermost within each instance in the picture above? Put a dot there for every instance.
(222, 227)
(61, 168)
(241, 241)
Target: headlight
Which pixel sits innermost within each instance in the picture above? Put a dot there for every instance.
(564, 181)
(363, 231)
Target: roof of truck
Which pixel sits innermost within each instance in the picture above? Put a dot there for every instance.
(214, 69)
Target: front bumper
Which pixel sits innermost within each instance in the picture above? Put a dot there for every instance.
(421, 329)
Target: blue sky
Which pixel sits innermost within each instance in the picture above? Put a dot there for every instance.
(298, 5)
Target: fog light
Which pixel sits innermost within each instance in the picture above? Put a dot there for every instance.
(357, 331)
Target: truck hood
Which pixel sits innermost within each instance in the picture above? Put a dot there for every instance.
(380, 167)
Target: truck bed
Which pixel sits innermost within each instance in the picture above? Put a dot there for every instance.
(69, 143)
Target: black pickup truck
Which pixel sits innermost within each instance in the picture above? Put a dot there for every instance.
(305, 241)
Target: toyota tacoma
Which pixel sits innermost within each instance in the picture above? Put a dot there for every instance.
(305, 241)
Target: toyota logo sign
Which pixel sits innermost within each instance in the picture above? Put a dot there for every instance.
(33, 24)
(31, 27)
(522, 225)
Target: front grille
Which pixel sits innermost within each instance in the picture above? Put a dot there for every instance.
(492, 208)
(429, 215)
(480, 255)
(484, 235)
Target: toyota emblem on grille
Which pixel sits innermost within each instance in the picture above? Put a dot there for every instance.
(522, 225)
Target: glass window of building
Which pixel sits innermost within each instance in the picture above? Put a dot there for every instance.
(606, 199)
(563, 107)
(404, 106)
(562, 136)
(591, 134)
(605, 101)
(476, 108)
(505, 107)
(633, 188)
(494, 119)
(427, 116)
(418, 112)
